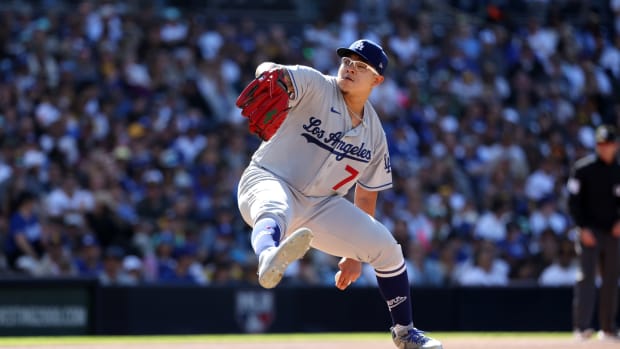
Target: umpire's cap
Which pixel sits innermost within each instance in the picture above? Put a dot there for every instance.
(370, 51)
(606, 134)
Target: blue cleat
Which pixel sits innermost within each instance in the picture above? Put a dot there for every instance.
(409, 337)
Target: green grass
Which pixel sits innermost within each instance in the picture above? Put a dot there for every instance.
(26, 341)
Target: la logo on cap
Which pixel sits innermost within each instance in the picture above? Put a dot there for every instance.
(359, 45)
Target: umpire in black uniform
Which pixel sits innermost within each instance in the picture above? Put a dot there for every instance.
(594, 203)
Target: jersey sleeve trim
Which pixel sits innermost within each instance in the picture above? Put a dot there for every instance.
(294, 81)
(377, 188)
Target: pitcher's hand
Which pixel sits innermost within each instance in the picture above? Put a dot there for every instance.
(350, 271)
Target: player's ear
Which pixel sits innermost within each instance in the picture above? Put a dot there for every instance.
(378, 80)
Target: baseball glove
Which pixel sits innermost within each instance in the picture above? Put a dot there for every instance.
(265, 102)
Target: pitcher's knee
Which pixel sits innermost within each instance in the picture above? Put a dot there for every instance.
(389, 260)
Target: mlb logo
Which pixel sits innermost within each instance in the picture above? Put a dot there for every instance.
(254, 310)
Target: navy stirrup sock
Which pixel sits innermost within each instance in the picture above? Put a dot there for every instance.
(265, 234)
(395, 290)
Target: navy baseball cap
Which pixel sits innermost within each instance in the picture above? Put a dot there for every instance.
(370, 51)
(605, 134)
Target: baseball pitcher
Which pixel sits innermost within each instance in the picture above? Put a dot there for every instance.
(322, 137)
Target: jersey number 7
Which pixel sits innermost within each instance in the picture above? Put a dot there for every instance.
(353, 173)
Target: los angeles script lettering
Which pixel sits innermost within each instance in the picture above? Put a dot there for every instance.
(334, 141)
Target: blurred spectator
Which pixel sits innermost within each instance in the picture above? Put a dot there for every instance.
(424, 271)
(540, 183)
(69, 198)
(134, 269)
(106, 225)
(419, 226)
(453, 257)
(544, 250)
(112, 271)
(492, 224)
(25, 236)
(486, 268)
(547, 216)
(514, 249)
(185, 269)
(165, 243)
(87, 258)
(155, 203)
(57, 254)
(563, 271)
(307, 273)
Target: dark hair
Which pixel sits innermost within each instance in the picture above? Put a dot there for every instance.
(23, 198)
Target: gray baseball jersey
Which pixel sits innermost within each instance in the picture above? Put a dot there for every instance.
(301, 174)
(316, 150)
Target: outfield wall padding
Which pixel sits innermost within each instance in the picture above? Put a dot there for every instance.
(74, 307)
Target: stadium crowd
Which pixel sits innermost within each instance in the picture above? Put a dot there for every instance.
(121, 146)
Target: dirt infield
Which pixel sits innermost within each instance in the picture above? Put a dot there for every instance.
(449, 343)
